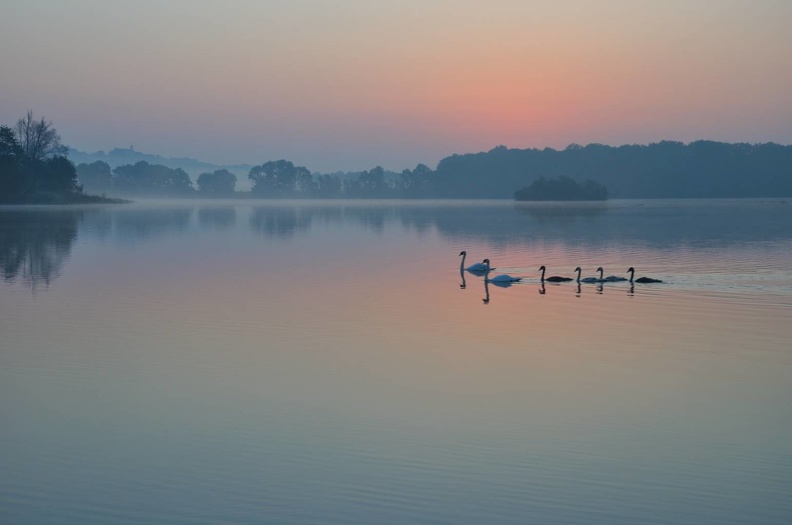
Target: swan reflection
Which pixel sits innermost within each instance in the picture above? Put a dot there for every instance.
(503, 280)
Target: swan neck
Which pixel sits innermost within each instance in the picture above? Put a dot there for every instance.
(462, 264)
(543, 273)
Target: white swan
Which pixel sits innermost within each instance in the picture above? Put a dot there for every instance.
(473, 268)
(631, 271)
(502, 278)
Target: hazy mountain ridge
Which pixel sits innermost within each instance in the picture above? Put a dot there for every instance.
(123, 156)
(129, 156)
(666, 169)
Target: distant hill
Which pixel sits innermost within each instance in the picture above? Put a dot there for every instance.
(701, 169)
(123, 156)
(129, 156)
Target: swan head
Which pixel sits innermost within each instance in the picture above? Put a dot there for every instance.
(463, 252)
(600, 269)
(486, 261)
(542, 268)
(578, 269)
(630, 269)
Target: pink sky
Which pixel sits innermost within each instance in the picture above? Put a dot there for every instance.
(349, 84)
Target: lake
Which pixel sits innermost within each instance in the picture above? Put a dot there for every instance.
(326, 362)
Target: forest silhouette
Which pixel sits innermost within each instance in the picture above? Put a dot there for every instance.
(701, 169)
(34, 169)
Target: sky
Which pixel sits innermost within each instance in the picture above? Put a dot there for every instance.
(351, 84)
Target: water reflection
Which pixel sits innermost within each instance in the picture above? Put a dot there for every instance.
(502, 284)
(374, 218)
(141, 224)
(584, 228)
(572, 215)
(249, 365)
(654, 223)
(281, 221)
(34, 245)
(499, 284)
(218, 218)
(578, 289)
(97, 224)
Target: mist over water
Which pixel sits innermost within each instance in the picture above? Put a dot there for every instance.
(314, 362)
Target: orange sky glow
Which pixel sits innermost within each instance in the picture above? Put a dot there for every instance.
(351, 84)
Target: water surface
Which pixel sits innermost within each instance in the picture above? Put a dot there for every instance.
(313, 362)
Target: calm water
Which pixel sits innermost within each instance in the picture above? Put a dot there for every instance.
(253, 362)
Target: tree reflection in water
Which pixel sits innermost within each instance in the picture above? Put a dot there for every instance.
(280, 221)
(218, 218)
(35, 244)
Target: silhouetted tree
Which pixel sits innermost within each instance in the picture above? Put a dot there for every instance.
(372, 182)
(662, 170)
(13, 184)
(57, 175)
(38, 138)
(152, 179)
(33, 168)
(9, 145)
(304, 183)
(369, 184)
(280, 178)
(217, 183)
(413, 184)
(97, 176)
(562, 189)
(328, 186)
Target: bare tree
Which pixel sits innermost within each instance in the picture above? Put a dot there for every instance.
(38, 138)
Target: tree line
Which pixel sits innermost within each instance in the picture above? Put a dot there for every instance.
(33, 164)
(562, 189)
(701, 169)
(34, 168)
(272, 179)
